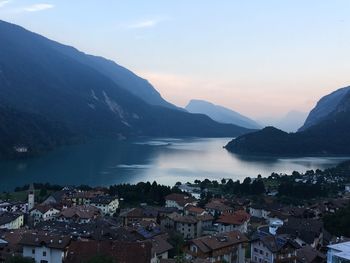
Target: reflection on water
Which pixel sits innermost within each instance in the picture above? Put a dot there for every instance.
(164, 160)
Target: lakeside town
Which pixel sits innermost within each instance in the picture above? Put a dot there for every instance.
(206, 221)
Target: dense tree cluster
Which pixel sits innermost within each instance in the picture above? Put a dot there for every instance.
(142, 192)
(40, 186)
(229, 187)
(338, 223)
(302, 190)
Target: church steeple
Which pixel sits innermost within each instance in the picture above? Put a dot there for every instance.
(31, 197)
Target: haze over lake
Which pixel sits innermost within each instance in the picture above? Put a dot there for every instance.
(167, 161)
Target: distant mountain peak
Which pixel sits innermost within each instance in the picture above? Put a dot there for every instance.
(220, 113)
(325, 106)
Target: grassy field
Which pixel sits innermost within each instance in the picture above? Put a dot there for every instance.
(19, 196)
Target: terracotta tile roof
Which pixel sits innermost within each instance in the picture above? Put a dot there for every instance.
(47, 239)
(236, 218)
(123, 252)
(13, 237)
(205, 217)
(83, 212)
(160, 244)
(194, 209)
(139, 213)
(219, 241)
(217, 205)
(183, 219)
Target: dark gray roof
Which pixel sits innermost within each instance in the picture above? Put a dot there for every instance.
(8, 217)
(45, 239)
(308, 254)
(305, 229)
(104, 199)
(273, 243)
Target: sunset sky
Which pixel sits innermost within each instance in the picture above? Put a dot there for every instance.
(261, 58)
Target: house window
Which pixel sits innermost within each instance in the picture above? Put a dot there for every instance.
(33, 251)
(256, 250)
(261, 252)
(44, 253)
(267, 254)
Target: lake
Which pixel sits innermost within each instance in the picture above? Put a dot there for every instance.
(165, 160)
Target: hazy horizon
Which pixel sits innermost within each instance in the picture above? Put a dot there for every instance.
(258, 58)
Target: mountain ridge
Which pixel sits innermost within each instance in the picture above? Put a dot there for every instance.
(220, 114)
(328, 136)
(39, 80)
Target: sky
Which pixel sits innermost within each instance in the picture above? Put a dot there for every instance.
(261, 58)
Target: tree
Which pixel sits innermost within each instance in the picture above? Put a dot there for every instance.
(296, 173)
(223, 181)
(177, 241)
(244, 188)
(257, 187)
(43, 192)
(205, 198)
(338, 223)
(309, 172)
(215, 184)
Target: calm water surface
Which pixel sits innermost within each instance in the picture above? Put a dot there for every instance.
(163, 160)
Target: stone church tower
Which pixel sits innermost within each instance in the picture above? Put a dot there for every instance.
(31, 197)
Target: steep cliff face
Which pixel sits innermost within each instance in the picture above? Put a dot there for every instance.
(325, 107)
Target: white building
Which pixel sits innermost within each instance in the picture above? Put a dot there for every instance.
(347, 188)
(11, 220)
(179, 201)
(259, 212)
(188, 226)
(45, 248)
(225, 247)
(339, 253)
(108, 205)
(14, 206)
(44, 213)
(267, 248)
(233, 221)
